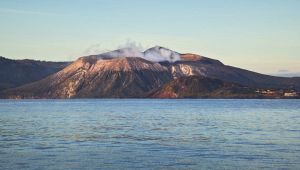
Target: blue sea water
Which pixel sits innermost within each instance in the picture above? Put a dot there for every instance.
(149, 134)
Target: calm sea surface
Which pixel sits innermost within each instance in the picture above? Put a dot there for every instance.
(149, 134)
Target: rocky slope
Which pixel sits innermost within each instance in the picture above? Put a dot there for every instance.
(89, 77)
(203, 87)
(14, 73)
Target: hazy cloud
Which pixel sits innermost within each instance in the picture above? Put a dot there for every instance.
(26, 12)
(283, 71)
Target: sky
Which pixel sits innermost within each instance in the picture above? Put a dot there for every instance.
(259, 35)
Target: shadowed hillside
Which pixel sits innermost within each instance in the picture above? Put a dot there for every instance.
(15, 73)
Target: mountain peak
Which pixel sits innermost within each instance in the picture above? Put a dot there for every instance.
(114, 64)
(133, 63)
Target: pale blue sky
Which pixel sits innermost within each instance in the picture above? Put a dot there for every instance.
(260, 35)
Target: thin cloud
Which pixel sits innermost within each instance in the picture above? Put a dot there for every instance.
(26, 12)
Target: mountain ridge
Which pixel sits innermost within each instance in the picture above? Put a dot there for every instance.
(127, 73)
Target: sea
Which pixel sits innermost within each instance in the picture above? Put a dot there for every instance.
(80, 134)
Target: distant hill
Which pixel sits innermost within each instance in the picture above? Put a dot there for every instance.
(129, 73)
(15, 73)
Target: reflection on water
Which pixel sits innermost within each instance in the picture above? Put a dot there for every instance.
(149, 134)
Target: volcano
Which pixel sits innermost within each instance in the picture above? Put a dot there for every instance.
(130, 73)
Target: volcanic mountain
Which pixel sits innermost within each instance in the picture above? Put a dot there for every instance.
(129, 73)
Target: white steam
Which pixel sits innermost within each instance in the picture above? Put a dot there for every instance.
(158, 54)
(155, 54)
(133, 49)
(124, 52)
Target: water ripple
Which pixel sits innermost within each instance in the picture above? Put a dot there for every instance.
(149, 134)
